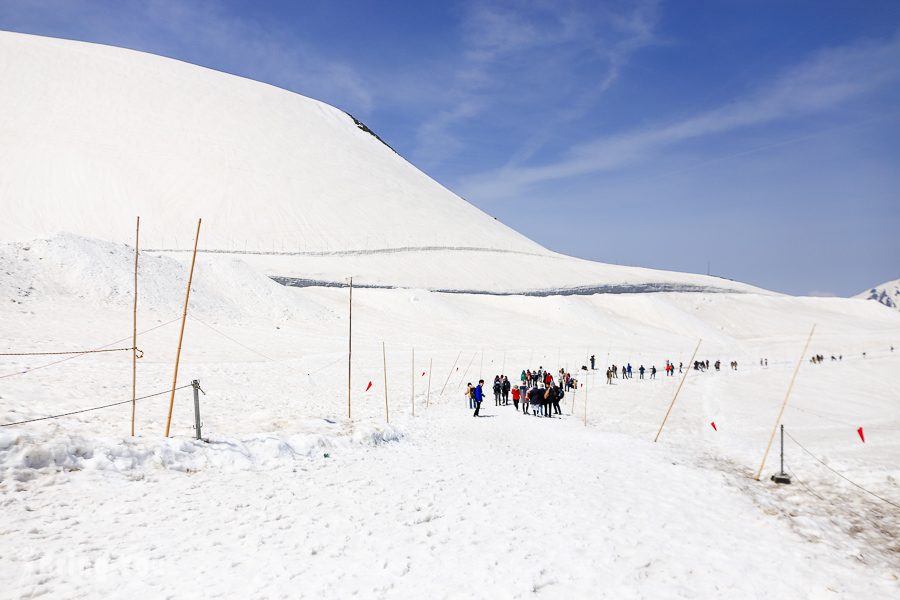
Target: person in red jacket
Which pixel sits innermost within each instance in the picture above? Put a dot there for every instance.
(515, 396)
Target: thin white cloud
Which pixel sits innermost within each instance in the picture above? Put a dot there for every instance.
(829, 79)
(511, 50)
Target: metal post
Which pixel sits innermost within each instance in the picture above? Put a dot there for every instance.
(196, 385)
(781, 476)
(782, 447)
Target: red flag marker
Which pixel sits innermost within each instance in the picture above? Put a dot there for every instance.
(713, 423)
(862, 435)
(369, 386)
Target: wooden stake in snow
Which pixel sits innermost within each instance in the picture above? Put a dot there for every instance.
(137, 238)
(585, 401)
(349, 348)
(450, 374)
(466, 372)
(428, 396)
(784, 404)
(680, 383)
(387, 416)
(187, 297)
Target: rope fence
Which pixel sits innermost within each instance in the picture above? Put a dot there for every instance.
(100, 348)
(841, 475)
(84, 410)
(64, 353)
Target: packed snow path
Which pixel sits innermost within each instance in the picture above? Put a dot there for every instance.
(501, 506)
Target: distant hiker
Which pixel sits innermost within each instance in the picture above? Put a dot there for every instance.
(559, 393)
(505, 387)
(470, 394)
(516, 392)
(498, 389)
(680, 367)
(628, 369)
(641, 371)
(653, 372)
(593, 360)
(609, 375)
(717, 364)
(615, 369)
(523, 378)
(479, 396)
(535, 400)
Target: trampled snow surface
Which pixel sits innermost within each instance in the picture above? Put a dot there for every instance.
(439, 505)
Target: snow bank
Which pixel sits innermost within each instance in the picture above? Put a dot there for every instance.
(68, 267)
(24, 456)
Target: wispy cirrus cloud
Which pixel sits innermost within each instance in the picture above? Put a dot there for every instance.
(521, 54)
(825, 81)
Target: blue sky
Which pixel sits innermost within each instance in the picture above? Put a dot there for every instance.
(761, 138)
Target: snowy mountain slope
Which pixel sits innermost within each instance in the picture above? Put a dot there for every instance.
(94, 135)
(887, 293)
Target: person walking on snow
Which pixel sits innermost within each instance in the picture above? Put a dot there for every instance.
(470, 394)
(505, 387)
(641, 371)
(498, 388)
(628, 369)
(653, 372)
(479, 396)
(515, 396)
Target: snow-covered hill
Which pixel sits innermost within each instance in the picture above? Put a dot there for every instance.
(94, 135)
(887, 293)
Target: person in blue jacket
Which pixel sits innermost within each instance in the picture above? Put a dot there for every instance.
(479, 396)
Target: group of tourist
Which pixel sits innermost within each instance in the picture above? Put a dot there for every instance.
(538, 392)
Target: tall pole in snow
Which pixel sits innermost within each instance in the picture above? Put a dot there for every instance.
(450, 373)
(428, 396)
(349, 348)
(412, 394)
(681, 383)
(784, 404)
(187, 297)
(387, 416)
(137, 238)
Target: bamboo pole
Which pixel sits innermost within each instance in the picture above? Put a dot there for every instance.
(466, 372)
(412, 394)
(681, 383)
(349, 348)
(572, 408)
(481, 368)
(784, 404)
(450, 374)
(187, 297)
(503, 367)
(137, 238)
(387, 416)
(585, 401)
(428, 396)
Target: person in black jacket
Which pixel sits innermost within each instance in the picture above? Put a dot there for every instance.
(535, 399)
(505, 386)
(559, 396)
(551, 395)
(498, 387)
